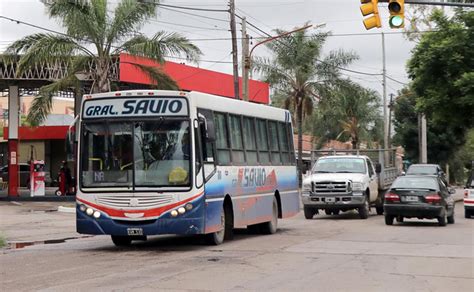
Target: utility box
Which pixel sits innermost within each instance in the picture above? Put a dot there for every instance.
(37, 185)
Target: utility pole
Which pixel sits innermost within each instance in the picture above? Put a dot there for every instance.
(390, 108)
(245, 60)
(234, 48)
(422, 139)
(384, 73)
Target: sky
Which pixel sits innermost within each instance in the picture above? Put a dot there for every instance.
(341, 17)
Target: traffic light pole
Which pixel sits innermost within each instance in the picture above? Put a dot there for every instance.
(434, 3)
(384, 73)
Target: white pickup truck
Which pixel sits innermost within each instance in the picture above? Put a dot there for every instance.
(344, 181)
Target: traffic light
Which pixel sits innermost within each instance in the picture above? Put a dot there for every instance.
(397, 11)
(370, 7)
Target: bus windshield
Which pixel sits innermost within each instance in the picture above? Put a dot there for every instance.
(136, 154)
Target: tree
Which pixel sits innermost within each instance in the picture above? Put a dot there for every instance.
(95, 36)
(297, 72)
(442, 72)
(349, 112)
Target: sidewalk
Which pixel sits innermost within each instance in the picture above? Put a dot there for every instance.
(36, 221)
(25, 195)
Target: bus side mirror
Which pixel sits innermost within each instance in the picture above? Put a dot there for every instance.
(378, 168)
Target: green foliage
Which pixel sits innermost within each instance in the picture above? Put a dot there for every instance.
(95, 35)
(349, 111)
(442, 72)
(444, 144)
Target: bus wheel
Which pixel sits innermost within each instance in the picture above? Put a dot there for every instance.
(120, 240)
(217, 238)
(270, 227)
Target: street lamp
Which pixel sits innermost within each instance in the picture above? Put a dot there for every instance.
(248, 59)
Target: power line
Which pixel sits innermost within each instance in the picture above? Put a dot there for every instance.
(192, 8)
(197, 15)
(395, 80)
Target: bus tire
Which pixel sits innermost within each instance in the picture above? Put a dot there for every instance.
(271, 226)
(217, 238)
(120, 240)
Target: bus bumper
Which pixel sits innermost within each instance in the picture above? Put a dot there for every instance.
(189, 223)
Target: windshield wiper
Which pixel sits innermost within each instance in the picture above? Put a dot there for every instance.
(321, 171)
(344, 171)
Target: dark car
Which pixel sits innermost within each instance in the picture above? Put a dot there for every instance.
(24, 171)
(419, 197)
(427, 169)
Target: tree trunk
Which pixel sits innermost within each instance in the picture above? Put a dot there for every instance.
(299, 123)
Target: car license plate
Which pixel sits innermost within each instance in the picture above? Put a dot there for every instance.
(330, 200)
(135, 231)
(411, 199)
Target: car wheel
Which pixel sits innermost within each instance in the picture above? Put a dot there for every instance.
(120, 240)
(328, 212)
(336, 212)
(308, 212)
(442, 220)
(389, 219)
(364, 210)
(467, 214)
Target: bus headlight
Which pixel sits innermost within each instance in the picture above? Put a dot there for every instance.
(89, 211)
(189, 207)
(82, 208)
(181, 210)
(174, 213)
(96, 214)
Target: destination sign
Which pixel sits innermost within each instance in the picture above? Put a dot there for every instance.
(135, 107)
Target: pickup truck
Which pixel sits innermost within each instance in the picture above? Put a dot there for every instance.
(348, 180)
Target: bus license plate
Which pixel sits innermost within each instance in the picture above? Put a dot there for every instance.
(330, 200)
(135, 231)
(411, 198)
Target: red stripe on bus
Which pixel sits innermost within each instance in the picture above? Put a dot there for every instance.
(146, 213)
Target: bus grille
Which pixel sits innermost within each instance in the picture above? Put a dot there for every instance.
(135, 201)
(330, 187)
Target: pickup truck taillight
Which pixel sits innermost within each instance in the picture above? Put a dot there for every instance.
(466, 193)
(392, 198)
(432, 199)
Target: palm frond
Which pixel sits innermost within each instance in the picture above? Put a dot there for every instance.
(43, 102)
(158, 77)
(84, 20)
(129, 15)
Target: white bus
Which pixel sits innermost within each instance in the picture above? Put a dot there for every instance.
(168, 162)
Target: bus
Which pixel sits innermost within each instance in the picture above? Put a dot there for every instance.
(154, 162)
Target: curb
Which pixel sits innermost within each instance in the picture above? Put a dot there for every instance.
(66, 209)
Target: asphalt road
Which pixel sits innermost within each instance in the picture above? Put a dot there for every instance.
(328, 253)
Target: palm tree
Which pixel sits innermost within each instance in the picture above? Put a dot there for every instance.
(95, 35)
(297, 72)
(358, 110)
(350, 112)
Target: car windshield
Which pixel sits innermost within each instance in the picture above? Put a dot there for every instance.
(136, 154)
(422, 170)
(341, 165)
(407, 182)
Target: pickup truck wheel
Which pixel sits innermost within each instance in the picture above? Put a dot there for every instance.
(336, 212)
(467, 214)
(379, 210)
(328, 212)
(308, 212)
(400, 219)
(364, 210)
(389, 219)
